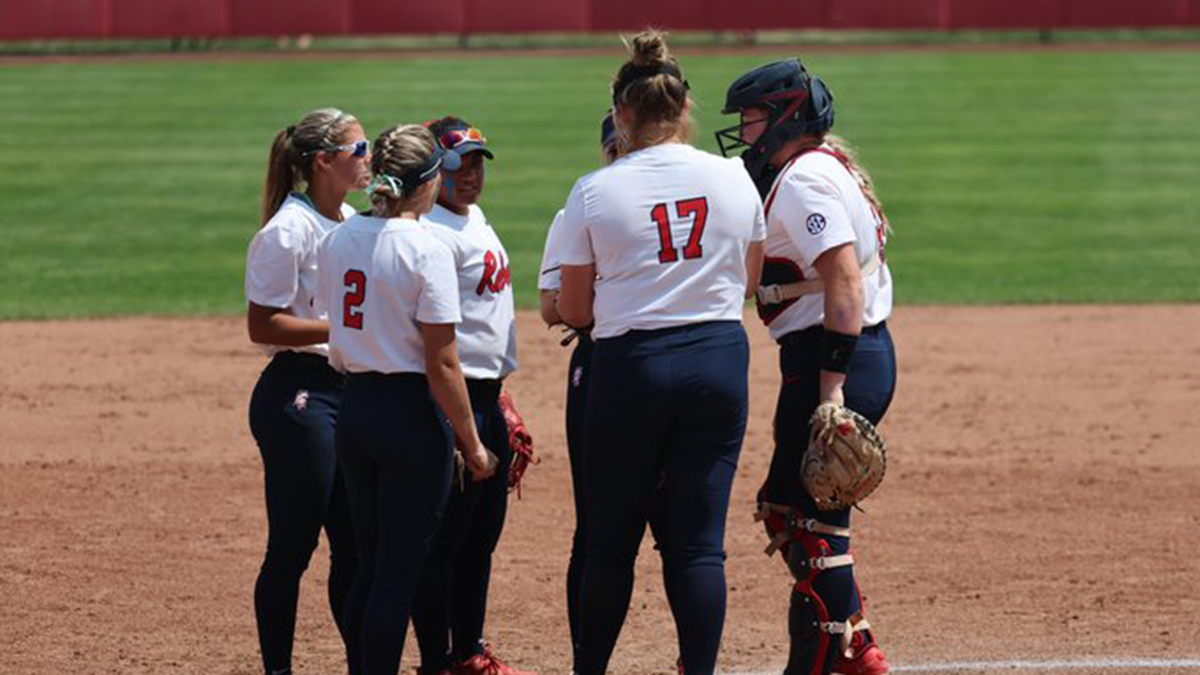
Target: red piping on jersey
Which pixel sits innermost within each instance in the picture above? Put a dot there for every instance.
(778, 181)
(845, 162)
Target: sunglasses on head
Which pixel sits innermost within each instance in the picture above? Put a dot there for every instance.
(356, 149)
(455, 137)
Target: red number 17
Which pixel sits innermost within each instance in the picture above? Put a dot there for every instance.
(685, 208)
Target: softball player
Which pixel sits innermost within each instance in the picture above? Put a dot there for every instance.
(826, 297)
(549, 282)
(451, 604)
(391, 293)
(659, 250)
(294, 408)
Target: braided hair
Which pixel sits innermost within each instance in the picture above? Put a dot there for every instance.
(397, 151)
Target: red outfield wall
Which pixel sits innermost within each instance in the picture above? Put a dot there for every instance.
(32, 19)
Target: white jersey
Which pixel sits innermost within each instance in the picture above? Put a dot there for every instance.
(281, 265)
(487, 336)
(381, 278)
(816, 204)
(550, 274)
(667, 229)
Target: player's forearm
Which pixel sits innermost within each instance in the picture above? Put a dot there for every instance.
(843, 306)
(754, 265)
(548, 309)
(843, 309)
(272, 326)
(449, 390)
(574, 303)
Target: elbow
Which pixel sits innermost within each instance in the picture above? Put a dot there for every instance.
(575, 317)
(258, 333)
(438, 368)
(846, 306)
(442, 366)
(548, 310)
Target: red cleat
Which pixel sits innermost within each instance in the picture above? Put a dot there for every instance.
(486, 664)
(862, 658)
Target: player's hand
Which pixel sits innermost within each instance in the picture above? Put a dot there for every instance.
(481, 463)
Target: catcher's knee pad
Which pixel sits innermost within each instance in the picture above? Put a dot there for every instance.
(785, 524)
(810, 626)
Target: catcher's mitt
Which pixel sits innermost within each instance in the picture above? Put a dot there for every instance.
(845, 460)
(519, 441)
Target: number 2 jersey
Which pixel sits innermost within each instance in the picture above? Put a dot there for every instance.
(487, 336)
(667, 228)
(816, 204)
(380, 279)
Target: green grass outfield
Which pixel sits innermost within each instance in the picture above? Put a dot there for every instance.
(131, 187)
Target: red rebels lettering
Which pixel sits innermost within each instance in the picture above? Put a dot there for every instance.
(496, 276)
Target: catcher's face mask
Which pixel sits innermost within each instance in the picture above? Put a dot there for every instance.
(749, 129)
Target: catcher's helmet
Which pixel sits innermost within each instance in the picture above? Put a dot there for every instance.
(796, 102)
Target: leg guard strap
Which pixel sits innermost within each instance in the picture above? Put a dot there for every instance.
(810, 624)
(783, 525)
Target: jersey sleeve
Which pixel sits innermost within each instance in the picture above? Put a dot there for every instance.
(450, 239)
(437, 300)
(759, 230)
(550, 275)
(322, 291)
(575, 237)
(273, 266)
(811, 212)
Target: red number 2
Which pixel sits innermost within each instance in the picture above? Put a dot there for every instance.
(356, 285)
(685, 208)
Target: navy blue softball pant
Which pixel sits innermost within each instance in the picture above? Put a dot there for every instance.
(578, 378)
(666, 414)
(293, 414)
(396, 452)
(870, 384)
(451, 602)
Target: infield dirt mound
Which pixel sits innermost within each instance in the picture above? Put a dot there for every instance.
(1043, 501)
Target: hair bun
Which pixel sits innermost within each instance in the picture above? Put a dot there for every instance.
(648, 48)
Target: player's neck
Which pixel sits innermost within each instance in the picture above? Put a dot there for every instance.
(326, 200)
(793, 148)
(455, 207)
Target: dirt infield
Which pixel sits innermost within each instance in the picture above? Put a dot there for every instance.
(1043, 501)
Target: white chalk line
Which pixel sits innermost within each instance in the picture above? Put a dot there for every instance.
(1047, 665)
(987, 666)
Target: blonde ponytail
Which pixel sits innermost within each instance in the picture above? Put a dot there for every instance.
(850, 158)
(289, 166)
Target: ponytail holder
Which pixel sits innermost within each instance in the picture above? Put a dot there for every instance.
(393, 185)
(290, 131)
(642, 72)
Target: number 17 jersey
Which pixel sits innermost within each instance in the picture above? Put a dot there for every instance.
(667, 228)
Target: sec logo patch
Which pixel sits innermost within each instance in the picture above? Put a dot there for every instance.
(815, 224)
